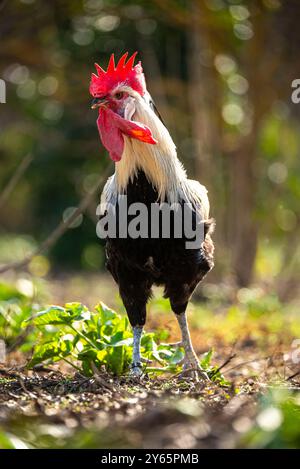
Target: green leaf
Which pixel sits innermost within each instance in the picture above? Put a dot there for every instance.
(165, 352)
(101, 355)
(121, 338)
(205, 361)
(125, 342)
(78, 312)
(66, 344)
(86, 368)
(106, 314)
(87, 353)
(9, 293)
(148, 342)
(51, 316)
(216, 376)
(9, 441)
(116, 360)
(50, 350)
(177, 356)
(75, 309)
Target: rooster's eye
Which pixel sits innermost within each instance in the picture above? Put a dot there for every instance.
(119, 95)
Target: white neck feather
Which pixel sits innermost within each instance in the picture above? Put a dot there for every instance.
(159, 162)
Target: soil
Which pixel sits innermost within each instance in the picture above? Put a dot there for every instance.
(49, 407)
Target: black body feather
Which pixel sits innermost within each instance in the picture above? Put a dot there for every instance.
(138, 264)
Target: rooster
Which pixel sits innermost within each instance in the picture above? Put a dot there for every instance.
(148, 171)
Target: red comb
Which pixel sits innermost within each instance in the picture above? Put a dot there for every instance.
(124, 72)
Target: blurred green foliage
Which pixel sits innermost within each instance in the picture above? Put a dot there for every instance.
(277, 424)
(15, 307)
(220, 72)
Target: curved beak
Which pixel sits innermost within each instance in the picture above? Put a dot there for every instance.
(97, 102)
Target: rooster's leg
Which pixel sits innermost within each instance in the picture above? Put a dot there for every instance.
(190, 361)
(135, 290)
(136, 367)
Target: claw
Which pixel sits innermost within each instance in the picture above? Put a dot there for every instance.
(136, 370)
(172, 344)
(195, 371)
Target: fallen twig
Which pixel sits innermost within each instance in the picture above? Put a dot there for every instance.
(15, 179)
(22, 384)
(293, 375)
(61, 227)
(228, 360)
(247, 363)
(99, 379)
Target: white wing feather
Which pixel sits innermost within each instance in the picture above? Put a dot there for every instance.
(196, 193)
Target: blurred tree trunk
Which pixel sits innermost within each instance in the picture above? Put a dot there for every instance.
(205, 102)
(238, 214)
(287, 281)
(199, 85)
(243, 228)
(257, 64)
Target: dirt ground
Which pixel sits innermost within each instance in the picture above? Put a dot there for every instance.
(48, 408)
(53, 407)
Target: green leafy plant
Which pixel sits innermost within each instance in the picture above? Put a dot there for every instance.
(277, 424)
(9, 441)
(15, 308)
(213, 371)
(86, 339)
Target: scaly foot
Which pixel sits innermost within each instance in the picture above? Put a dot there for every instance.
(136, 370)
(192, 368)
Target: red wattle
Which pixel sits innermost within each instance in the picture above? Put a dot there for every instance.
(111, 128)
